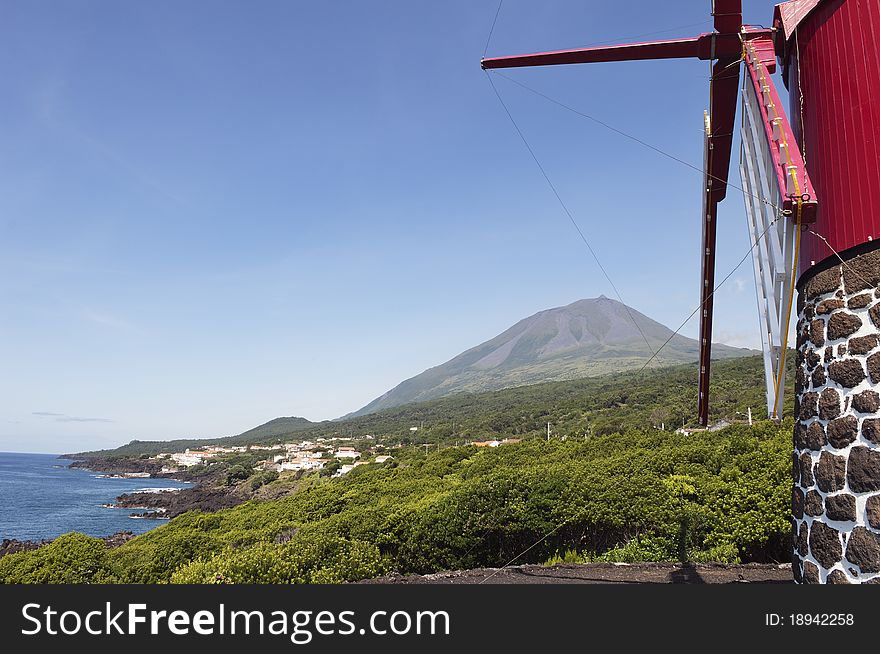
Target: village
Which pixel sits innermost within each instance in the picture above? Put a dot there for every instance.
(307, 455)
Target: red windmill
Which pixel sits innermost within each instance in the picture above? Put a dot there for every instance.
(812, 192)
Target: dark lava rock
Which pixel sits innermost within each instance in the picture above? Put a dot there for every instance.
(863, 344)
(829, 404)
(836, 577)
(827, 306)
(874, 312)
(817, 332)
(830, 472)
(811, 573)
(825, 544)
(797, 503)
(847, 373)
(812, 358)
(861, 272)
(811, 437)
(859, 301)
(872, 509)
(818, 377)
(813, 505)
(842, 324)
(874, 367)
(806, 465)
(843, 431)
(809, 405)
(871, 429)
(867, 402)
(863, 549)
(863, 469)
(840, 507)
(801, 542)
(821, 283)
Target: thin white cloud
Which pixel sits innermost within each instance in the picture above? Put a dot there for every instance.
(63, 417)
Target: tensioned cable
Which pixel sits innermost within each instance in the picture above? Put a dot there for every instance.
(530, 547)
(842, 260)
(715, 290)
(632, 138)
(567, 212)
(492, 29)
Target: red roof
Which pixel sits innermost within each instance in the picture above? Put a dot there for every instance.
(788, 14)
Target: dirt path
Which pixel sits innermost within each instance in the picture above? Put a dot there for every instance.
(607, 573)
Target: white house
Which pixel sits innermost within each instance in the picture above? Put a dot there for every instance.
(383, 458)
(347, 453)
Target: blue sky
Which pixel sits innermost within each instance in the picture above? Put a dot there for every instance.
(216, 213)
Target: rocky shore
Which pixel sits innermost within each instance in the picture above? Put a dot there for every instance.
(168, 504)
(13, 545)
(209, 493)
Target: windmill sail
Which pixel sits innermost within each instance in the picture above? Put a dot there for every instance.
(779, 200)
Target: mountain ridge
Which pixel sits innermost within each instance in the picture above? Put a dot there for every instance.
(586, 338)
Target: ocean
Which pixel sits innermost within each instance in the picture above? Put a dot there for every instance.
(40, 497)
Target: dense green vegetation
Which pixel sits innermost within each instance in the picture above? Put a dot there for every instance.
(607, 486)
(597, 405)
(640, 495)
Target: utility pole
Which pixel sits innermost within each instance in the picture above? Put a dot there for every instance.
(548, 432)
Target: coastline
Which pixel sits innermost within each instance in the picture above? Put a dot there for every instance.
(206, 494)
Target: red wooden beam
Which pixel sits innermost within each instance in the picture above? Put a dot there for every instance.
(704, 46)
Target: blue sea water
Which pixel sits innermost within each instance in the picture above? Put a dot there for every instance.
(40, 497)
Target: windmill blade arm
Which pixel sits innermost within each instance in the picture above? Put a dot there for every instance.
(704, 46)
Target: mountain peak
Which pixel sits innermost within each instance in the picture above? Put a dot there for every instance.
(588, 337)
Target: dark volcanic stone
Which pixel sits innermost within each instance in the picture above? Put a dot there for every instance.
(818, 377)
(829, 404)
(812, 358)
(874, 312)
(817, 332)
(842, 324)
(863, 549)
(863, 344)
(840, 507)
(848, 373)
(809, 406)
(797, 569)
(836, 577)
(815, 436)
(830, 472)
(795, 466)
(841, 350)
(825, 544)
(829, 355)
(863, 469)
(801, 541)
(800, 439)
(811, 573)
(862, 272)
(809, 312)
(827, 306)
(871, 430)
(806, 465)
(867, 402)
(859, 301)
(843, 431)
(822, 283)
(874, 367)
(800, 378)
(813, 504)
(872, 509)
(797, 502)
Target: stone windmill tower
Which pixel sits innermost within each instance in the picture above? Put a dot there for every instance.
(811, 182)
